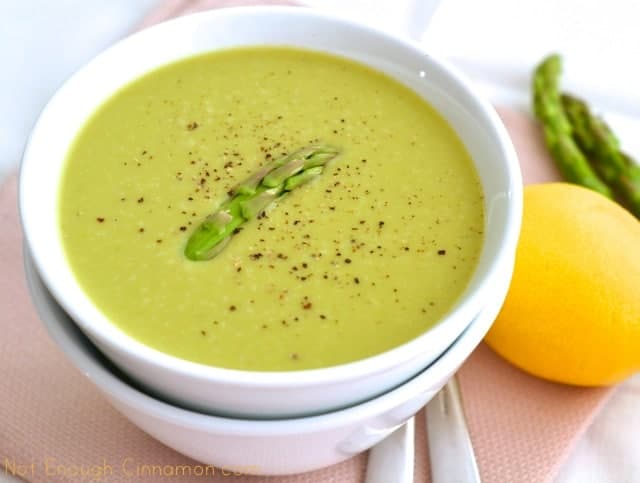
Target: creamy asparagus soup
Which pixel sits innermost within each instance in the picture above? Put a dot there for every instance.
(359, 245)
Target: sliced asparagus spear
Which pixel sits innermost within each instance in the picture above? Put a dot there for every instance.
(557, 129)
(254, 195)
(600, 144)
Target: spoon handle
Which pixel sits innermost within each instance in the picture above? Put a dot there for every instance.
(450, 449)
(393, 458)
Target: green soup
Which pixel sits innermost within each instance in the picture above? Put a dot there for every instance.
(364, 258)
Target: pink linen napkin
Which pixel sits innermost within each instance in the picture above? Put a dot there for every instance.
(52, 419)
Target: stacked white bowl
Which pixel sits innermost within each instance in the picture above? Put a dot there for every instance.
(260, 446)
(235, 413)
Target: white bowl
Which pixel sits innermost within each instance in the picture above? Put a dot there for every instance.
(280, 446)
(268, 394)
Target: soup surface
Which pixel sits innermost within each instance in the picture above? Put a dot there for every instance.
(364, 258)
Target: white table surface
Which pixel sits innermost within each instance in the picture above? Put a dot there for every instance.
(494, 42)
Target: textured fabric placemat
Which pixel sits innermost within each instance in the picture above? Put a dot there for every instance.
(51, 417)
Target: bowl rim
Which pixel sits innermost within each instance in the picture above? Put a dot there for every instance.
(467, 305)
(86, 359)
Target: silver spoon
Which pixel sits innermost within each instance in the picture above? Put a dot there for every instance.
(392, 459)
(450, 449)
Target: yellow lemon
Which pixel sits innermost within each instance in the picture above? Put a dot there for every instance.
(572, 313)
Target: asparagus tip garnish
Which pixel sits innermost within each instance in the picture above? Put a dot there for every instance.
(254, 195)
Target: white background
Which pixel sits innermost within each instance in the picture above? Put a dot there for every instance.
(494, 42)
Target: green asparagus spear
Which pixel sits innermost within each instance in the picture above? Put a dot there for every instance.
(557, 128)
(601, 146)
(253, 196)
